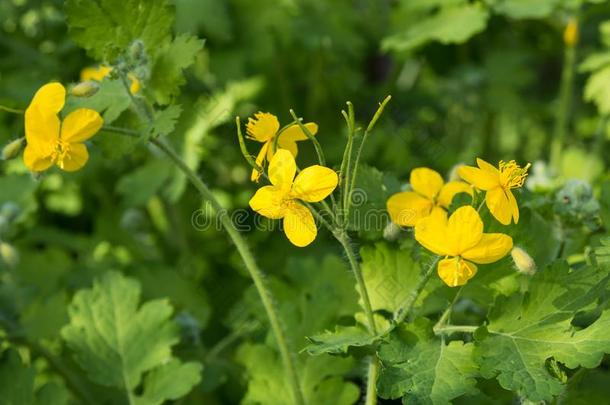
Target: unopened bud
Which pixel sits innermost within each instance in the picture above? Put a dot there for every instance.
(9, 255)
(391, 231)
(570, 34)
(85, 89)
(12, 149)
(453, 173)
(136, 50)
(523, 261)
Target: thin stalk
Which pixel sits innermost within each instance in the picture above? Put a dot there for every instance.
(563, 110)
(346, 163)
(312, 138)
(371, 382)
(446, 329)
(11, 110)
(242, 248)
(244, 150)
(446, 316)
(407, 305)
(250, 263)
(369, 128)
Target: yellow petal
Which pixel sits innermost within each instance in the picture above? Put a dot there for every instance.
(498, 203)
(455, 272)
(260, 161)
(299, 225)
(314, 183)
(488, 167)
(96, 73)
(481, 179)
(268, 201)
(492, 247)
(134, 87)
(464, 230)
(37, 159)
(295, 133)
(514, 207)
(81, 125)
(289, 145)
(41, 127)
(282, 169)
(431, 232)
(75, 158)
(426, 182)
(408, 207)
(449, 191)
(50, 98)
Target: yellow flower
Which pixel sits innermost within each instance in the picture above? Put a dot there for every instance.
(462, 241)
(498, 183)
(98, 73)
(429, 193)
(281, 199)
(51, 141)
(264, 128)
(570, 34)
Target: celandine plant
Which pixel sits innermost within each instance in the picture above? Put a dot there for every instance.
(467, 300)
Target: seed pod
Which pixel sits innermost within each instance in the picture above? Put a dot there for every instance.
(85, 89)
(523, 261)
(12, 149)
(570, 34)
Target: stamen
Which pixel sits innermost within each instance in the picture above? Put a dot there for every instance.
(512, 175)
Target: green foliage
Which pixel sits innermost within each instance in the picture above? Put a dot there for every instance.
(16, 380)
(526, 330)
(425, 369)
(116, 340)
(105, 28)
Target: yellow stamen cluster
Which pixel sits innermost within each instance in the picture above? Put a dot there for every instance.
(262, 126)
(512, 175)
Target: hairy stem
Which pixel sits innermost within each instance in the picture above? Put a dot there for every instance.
(371, 382)
(446, 329)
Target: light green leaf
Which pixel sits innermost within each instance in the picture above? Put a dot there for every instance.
(594, 62)
(453, 24)
(525, 8)
(167, 77)
(139, 186)
(114, 338)
(339, 341)
(390, 275)
(106, 27)
(170, 381)
(526, 330)
(424, 369)
(596, 89)
(165, 120)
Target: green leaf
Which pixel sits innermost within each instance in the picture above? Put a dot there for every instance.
(16, 380)
(165, 120)
(525, 8)
(116, 340)
(452, 24)
(596, 89)
(167, 77)
(390, 275)
(106, 27)
(170, 381)
(139, 186)
(339, 341)
(526, 330)
(425, 369)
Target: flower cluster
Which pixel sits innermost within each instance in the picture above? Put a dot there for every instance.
(459, 237)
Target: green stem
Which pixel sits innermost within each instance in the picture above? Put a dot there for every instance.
(371, 382)
(369, 128)
(407, 305)
(565, 97)
(346, 162)
(446, 329)
(312, 138)
(250, 263)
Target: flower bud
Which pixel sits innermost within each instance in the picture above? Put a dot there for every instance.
(9, 255)
(136, 50)
(570, 34)
(85, 89)
(523, 261)
(391, 232)
(12, 149)
(453, 173)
